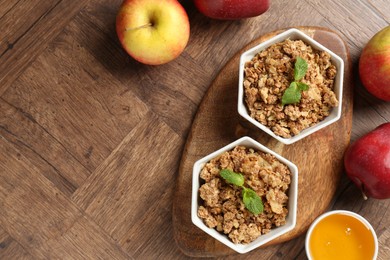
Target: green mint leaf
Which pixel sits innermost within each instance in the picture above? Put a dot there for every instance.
(302, 86)
(232, 177)
(252, 201)
(292, 94)
(300, 68)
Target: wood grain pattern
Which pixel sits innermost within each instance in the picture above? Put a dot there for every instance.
(217, 123)
(10, 247)
(91, 140)
(384, 245)
(25, 40)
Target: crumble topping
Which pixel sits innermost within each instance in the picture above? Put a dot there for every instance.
(270, 73)
(222, 207)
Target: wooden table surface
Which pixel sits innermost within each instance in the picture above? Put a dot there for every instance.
(91, 140)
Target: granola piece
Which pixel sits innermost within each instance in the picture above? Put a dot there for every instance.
(280, 219)
(263, 94)
(331, 72)
(252, 95)
(227, 193)
(281, 131)
(209, 172)
(209, 220)
(245, 233)
(277, 199)
(209, 192)
(228, 219)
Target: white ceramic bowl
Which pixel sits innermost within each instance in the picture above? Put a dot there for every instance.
(343, 212)
(275, 232)
(292, 34)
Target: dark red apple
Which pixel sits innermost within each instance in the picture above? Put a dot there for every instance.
(367, 162)
(374, 65)
(231, 9)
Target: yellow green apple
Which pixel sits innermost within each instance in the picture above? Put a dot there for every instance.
(153, 32)
(374, 65)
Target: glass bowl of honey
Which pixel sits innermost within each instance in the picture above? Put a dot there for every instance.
(341, 234)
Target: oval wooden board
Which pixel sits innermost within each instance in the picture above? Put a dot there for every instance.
(217, 123)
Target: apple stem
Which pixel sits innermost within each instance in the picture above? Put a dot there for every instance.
(364, 196)
(139, 27)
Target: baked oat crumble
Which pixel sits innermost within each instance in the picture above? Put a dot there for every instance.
(222, 207)
(270, 73)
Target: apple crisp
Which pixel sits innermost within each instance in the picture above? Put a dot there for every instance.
(270, 73)
(221, 204)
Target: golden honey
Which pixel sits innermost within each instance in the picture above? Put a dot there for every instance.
(341, 236)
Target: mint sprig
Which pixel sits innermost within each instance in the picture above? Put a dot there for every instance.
(293, 93)
(251, 200)
(300, 68)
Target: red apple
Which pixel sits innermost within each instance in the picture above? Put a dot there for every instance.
(231, 9)
(153, 32)
(367, 162)
(374, 65)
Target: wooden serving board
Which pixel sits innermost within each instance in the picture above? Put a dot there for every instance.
(217, 123)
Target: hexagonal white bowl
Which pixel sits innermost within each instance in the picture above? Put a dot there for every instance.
(293, 34)
(275, 232)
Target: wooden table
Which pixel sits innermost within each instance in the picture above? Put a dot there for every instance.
(91, 140)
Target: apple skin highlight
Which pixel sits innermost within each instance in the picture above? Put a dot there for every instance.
(153, 32)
